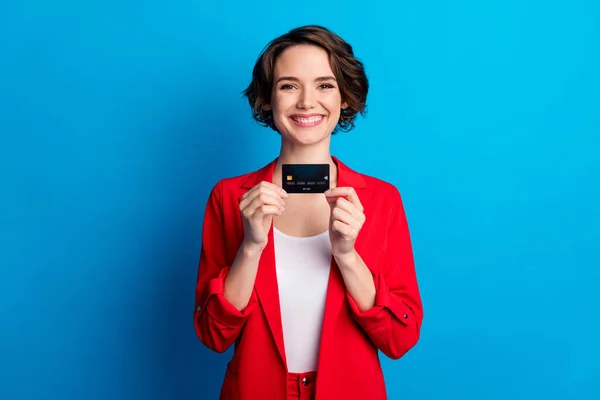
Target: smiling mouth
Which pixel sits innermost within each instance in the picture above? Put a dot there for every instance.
(307, 121)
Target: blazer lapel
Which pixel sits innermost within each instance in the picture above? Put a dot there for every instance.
(268, 294)
(336, 289)
(266, 278)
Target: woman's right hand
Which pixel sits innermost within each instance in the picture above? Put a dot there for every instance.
(258, 207)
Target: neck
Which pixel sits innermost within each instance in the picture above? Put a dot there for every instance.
(304, 159)
(294, 153)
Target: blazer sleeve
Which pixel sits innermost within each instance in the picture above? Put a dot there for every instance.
(393, 324)
(218, 323)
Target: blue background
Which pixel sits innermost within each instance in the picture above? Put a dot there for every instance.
(117, 117)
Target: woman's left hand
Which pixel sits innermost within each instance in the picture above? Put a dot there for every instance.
(346, 219)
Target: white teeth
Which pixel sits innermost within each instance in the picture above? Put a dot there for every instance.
(310, 120)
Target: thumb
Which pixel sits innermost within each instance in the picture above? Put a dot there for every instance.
(268, 220)
(331, 200)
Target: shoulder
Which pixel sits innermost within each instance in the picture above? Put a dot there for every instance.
(377, 186)
(229, 185)
(380, 185)
(353, 177)
(385, 194)
(374, 193)
(235, 185)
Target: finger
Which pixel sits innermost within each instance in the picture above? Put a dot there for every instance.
(258, 209)
(344, 230)
(261, 191)
(345, 205)
(350, 208)
(265, 185)
(264, 210)
(345, 217)
(348, 192)
(261, 187)
(265, 199)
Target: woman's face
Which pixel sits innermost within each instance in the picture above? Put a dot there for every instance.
(306, 99)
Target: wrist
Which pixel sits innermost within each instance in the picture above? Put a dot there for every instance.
(252, 249)
(346, 259)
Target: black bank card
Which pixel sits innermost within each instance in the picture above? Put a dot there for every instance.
(305, 178)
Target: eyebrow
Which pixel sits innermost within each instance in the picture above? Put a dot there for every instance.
(294, 79)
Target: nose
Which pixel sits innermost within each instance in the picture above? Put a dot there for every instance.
(306, 100)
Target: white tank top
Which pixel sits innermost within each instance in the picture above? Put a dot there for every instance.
(302, 266)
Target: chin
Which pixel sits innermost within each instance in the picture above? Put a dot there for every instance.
(306, 136)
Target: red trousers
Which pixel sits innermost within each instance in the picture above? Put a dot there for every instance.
(301, 386)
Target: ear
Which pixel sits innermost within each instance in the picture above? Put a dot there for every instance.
(344, 105)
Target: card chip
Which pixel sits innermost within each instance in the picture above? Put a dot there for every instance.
(289, 178)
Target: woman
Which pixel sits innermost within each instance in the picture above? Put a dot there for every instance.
(308, 286)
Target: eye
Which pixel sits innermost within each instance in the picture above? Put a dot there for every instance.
(326, 86)
(286, 86)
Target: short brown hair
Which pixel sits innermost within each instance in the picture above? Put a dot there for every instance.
(348, 71)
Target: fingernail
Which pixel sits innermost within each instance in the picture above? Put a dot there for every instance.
(327, 192)
(284, 193)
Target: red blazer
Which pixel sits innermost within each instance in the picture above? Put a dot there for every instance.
(348, 366)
